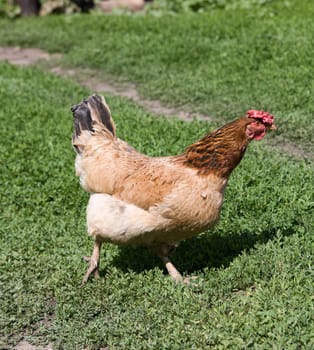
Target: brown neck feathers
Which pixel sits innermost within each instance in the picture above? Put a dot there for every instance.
(220, 151)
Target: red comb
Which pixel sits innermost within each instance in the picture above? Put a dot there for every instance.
(266, 117)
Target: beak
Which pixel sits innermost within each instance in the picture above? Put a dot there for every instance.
(273, 127)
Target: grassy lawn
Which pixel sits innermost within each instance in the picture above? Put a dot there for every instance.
(255, 273)
(255, 269)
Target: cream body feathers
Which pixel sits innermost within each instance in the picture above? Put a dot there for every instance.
(141, 200)
(170, 221)
(136, 199)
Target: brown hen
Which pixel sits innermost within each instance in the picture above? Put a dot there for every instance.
(154, 201)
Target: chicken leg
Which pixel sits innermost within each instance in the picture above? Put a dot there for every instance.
(163, 251)
(93, 262)
(173, 272)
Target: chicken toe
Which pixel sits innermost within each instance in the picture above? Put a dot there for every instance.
(93, 263)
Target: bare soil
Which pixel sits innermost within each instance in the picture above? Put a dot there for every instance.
(24, 56)
(24, 345)
(90, 79)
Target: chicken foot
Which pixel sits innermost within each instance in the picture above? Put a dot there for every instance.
(173, 272)
(163, 251)
(93, 262)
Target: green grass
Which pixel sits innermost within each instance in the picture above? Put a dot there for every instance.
(255, 268)
(220, 63)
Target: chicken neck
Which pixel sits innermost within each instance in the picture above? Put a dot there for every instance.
(220, 151)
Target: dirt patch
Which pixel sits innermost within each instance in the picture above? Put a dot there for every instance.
(24, 56)
(90, 79)
(294, 150)
(24, 345)
(37, 330)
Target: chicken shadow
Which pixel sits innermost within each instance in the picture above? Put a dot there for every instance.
(209, 250)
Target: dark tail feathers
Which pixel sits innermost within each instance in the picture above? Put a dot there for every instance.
(92, 110)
